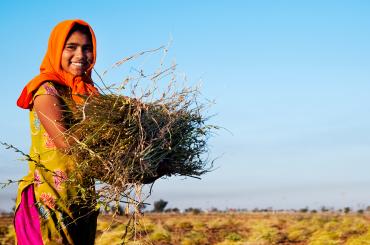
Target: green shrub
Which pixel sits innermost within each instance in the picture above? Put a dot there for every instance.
(184, 225)
(359, 240)
(233, 237)
(265, 234)
(323, 237)
(194, 238)
(160, 236)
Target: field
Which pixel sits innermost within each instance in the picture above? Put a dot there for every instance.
(231, 228)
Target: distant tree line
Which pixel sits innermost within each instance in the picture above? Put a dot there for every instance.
(160, 207)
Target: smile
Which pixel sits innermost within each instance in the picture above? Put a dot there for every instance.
(79, 64)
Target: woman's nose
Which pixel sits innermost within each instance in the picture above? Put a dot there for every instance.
(79, 52)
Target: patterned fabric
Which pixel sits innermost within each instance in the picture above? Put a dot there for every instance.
(62, 219)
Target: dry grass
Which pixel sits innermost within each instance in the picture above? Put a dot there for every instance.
(250, 228)
(124, 141)
(231, 228)
(129, 136)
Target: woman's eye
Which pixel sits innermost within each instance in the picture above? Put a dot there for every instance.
(70, 47)
(88, 48)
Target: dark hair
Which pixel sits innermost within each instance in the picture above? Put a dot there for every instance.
(81, 28)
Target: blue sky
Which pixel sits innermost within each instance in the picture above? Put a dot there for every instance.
(291, 81)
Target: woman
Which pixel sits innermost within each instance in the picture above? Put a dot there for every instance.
(53, 204)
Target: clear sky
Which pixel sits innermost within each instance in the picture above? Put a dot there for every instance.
(291, 81)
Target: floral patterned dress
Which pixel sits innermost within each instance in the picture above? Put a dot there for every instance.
(63, 219)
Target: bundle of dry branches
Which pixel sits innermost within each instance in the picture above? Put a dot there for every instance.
(124, 140)
(127, 141)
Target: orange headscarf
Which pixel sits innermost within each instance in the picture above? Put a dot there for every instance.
(51, 70)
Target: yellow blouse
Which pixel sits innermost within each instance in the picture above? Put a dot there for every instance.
(51, 172)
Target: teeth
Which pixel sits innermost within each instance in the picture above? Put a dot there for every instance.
(77, 63)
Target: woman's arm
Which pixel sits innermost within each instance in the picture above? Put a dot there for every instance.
(49, 111)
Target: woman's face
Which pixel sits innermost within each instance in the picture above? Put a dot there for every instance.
(77, 54)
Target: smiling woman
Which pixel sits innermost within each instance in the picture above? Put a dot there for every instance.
(50, 207)
(78, 51)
